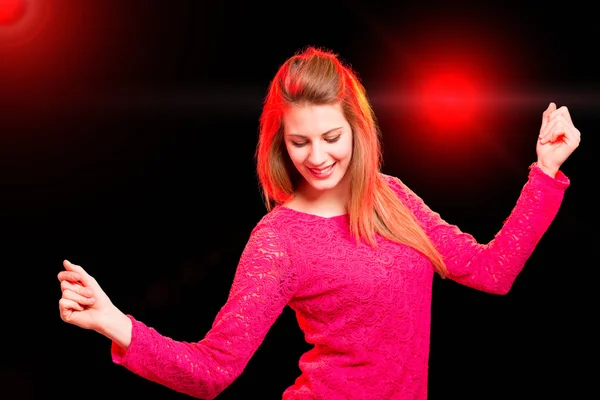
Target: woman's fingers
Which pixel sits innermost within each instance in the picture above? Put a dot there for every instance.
(68, 276)
(563, 111)
(84, 301)
(559, 125)
(77, 270)
(67, 307)
(552, 114)
(69, 266)
(546, 115)
(76, 288)
(549, 133)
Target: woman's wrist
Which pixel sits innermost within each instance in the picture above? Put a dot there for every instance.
(117, 327)
(548, 171)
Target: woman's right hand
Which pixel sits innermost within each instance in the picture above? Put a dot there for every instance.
(83, 302)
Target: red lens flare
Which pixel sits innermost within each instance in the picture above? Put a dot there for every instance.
(448, 100)
(11, 11)
(21, 21)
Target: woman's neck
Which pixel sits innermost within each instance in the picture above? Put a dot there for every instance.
(325, 203)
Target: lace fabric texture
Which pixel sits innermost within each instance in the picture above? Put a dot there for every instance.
(366, 310)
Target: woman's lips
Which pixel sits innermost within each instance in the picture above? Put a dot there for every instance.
(322, 173)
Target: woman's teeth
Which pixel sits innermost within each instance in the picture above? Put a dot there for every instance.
(322, 170)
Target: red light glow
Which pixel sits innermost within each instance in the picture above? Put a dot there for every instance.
(448, 99)
(11, 11)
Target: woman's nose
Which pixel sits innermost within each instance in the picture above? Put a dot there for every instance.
(317, 155)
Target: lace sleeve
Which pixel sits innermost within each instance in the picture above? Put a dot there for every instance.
(263, 284)
(493, 267)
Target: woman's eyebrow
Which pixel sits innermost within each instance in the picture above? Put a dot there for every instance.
(323, 134)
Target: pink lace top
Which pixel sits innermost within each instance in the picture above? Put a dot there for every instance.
(366, 310)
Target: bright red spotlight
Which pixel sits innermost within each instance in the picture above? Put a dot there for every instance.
(448, 100)
(11, 11)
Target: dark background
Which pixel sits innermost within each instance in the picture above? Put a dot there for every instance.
(127, 134)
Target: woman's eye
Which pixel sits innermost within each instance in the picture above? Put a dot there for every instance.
(298, 144)
(333, 140)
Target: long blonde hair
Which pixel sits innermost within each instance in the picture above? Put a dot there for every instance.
(317, 76)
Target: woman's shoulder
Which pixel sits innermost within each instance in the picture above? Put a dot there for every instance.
(283, 225)
(272, 215)
(276, 219)
(282, 220)
(393, 182)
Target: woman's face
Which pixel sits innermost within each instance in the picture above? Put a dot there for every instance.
(318, 139)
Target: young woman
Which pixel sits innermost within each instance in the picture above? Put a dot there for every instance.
(351, 250)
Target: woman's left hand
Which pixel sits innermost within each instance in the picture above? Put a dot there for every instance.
(557, 140)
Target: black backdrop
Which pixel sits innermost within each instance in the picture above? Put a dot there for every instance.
(127, 133)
